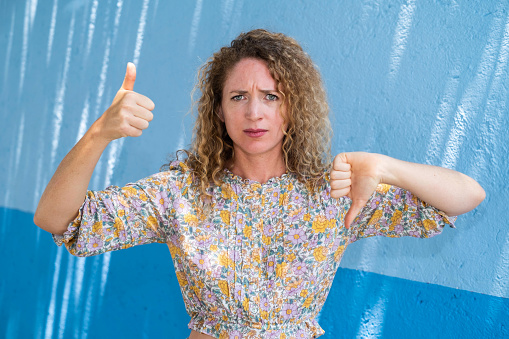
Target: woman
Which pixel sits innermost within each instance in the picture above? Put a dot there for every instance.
(255, 217)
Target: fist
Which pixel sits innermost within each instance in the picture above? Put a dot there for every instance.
(354, 175)
(130, 112)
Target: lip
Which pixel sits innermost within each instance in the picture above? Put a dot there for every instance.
(255, 133)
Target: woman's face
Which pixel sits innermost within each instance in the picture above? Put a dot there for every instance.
(252, 110)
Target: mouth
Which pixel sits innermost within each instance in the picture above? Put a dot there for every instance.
(255, 133)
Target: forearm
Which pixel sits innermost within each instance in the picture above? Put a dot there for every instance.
(128, 115)
(65, 193)
(450, 191)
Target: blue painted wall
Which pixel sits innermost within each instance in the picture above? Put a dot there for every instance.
(420, 80)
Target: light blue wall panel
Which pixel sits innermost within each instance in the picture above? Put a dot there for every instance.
(420, 80)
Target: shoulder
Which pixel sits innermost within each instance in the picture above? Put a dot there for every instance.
(177, 174)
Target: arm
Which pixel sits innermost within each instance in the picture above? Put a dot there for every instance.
(128, 115)
(357, 175)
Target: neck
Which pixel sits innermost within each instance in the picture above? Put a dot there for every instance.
(258, 168)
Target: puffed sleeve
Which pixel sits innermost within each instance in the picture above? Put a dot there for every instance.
(394, 212)
(122, 217)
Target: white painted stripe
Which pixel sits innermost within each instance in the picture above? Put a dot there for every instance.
(194, 26)
(84, 120)
(494, 112)
(141, 32)
(443, 116)
(79, 273)
(33, 11)
(368, 6)
(97, 174)
(9, 49)
(114, 153)
(11, 324)
(180, 144)
(90, 300)
(19, 143)
(104, 273)
(60, 96)
(65, 300)
(9, 176)
(401, 36)
(51, 34)
(154, 11)
(40, 158)
(102, 79)
(51, 309)
(492, 129)
(42, 296)
(452, 149)
(38, 176)
(473, 97)
(91, 27)
(236, 17)
(24, 48)
(226, 12)
(372, 320)
(116, 23)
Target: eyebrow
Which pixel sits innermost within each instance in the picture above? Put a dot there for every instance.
(265, 91)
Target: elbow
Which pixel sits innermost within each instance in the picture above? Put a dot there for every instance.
(467, 201)
(40, 222)
(38, 219)
(476, 196)
(46, 224)
(480, 195)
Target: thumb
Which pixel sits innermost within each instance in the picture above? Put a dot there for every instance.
(339, 161)
(353, 211)
(130, 77)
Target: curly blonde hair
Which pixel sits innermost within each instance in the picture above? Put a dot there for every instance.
(306, 144)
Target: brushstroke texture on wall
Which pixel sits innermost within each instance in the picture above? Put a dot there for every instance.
(424, 81)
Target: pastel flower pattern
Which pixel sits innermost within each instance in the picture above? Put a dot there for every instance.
(257, 261)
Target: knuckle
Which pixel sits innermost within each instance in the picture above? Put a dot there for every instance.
(124, 110)
(124, 129)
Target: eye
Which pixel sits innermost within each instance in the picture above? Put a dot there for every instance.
(238, 97)
(272, 97)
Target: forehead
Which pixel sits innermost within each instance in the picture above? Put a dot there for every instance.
(250, 72)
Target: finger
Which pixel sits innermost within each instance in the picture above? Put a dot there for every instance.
(132, 131)
(340, 184)
(142, 113)
(144, 102)
(339, 175)
(130, 77)
(341, 162)
(138, 123)
(353, 211)
(336, 194)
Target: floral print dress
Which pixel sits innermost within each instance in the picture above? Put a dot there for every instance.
(256, 261)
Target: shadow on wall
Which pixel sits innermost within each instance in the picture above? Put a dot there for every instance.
(140, 298)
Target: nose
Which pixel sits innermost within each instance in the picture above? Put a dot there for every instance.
(254, 110)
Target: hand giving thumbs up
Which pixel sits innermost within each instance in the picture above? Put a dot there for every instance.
(129, 113)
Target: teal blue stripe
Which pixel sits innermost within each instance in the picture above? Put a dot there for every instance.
(369, 303)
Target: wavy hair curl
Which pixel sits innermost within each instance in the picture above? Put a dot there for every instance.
(306, 144)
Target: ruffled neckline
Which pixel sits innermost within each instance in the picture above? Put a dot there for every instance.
(234, 178)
